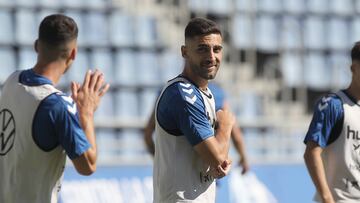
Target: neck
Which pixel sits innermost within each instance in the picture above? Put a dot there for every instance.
(52, 70)
(354, 91)
(200, 82)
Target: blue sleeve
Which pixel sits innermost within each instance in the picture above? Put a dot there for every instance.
(328, 111)
(181, 108)
(57, 122)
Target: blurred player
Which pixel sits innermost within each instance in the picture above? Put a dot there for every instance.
(40, 123)
(332, 153)
(189, 154)
(220, 103)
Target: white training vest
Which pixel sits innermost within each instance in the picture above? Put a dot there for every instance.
(180, 175)
(342, 157)
(27, 173)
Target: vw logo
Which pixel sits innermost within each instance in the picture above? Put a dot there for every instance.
(7, 131)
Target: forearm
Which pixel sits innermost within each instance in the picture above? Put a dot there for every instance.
(238, 141)
(87, 124)
(316, 170)
(222, 137)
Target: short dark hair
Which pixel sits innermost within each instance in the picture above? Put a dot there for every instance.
(57, 29)
(355, 51)
(201, 26)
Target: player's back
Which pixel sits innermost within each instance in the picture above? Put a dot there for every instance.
(28, 173)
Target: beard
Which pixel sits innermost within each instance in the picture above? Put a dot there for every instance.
(204, 71)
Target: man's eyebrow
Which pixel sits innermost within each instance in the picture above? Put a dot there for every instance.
(206, 45)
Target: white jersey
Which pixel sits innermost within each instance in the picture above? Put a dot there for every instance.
(342, 157)
(180, 175)
(28, 174)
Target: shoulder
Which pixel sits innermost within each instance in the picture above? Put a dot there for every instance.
(330, 102)
(182, 93)
(59, 103)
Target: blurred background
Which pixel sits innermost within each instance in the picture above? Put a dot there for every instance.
(280, 56)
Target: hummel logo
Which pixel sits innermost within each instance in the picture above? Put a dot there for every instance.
(191, 100)
(71, 107)
(67, 99)
(356, 147)
(323, 104)
(187, 85)
(188, 91)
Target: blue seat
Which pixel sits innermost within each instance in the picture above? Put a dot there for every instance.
(267, 33)
(127, 104)
(171, 65)
(102, 59)
(198, 5)
(7, 63)
(291, 37)
(314, 33)
(96, 29)
(25, 27)
(6, 3)
(294, 6)
(317, 74)
(79, 67)
(340, 63)
(50, 3)
(338, 34)
(7, 27)
(243, 32)
(246, 6)
(341, 7)
(354, 30)
(145, 31)
(27, 58)
(271, 6)
(223, 7)
(147, 102)
(120, 36)
(292, 69)
(318, 6)
(106, 109)
(97, 4)
(25, 3)
(74, 4)
(79, 19)
(125, 67)
(147, 65)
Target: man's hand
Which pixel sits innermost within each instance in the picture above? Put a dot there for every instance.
(244, 165)
(87, 96)
(222, 170)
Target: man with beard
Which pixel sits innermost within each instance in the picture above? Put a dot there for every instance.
(40, 123)
(189, 151)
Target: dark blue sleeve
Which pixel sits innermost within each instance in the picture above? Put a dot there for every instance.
(328, 111)
(178, 109)
(57, 122)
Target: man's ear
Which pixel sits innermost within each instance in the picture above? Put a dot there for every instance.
(183, 51)
(36, 46)
(72, 56)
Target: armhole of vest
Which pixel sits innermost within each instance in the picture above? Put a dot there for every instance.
(336, 130)
(175, 132)
(32, 128)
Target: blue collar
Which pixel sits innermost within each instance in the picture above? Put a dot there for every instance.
(30, 78)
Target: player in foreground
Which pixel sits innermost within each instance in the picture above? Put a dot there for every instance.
(189, 152)
(332, 153)
(40, 124)
(220, 103)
